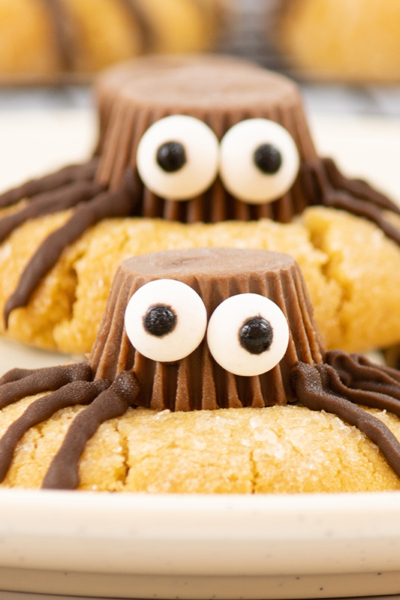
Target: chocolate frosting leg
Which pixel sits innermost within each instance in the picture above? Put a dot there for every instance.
(357, 187)
(77, 392)
(358, 373)
(54, 181)
(114, 402)
(308, 386)
(325, 185)
(361, 208)
(332, 382)
(141, 18)
(64, 32)
(50, 202)
(103, 206)
(42, 380)
(15, 375)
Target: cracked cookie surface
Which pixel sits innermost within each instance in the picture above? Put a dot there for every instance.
(351, 269)
(280, 449)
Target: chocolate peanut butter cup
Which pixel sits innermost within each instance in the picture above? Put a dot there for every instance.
(198, 381)
(219, 91)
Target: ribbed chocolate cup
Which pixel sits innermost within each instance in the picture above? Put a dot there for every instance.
(197, 381)
(221, 91)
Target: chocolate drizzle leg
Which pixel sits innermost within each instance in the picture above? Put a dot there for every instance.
(52, 182)
(15, 375)
(141, 18)
(72, 386)
(357, 187)
(105, 205)
(114, 402)
(325, 185)
(357, 372)
(77, 392)
(64, 32)
(48, 203)
(28, 383)
(320, 387)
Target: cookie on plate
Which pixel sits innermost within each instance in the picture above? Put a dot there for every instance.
(352, 272)
(217, 346)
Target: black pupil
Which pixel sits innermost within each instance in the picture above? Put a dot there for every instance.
(171, 156)
(256, 335)
(159, 320)
(268, 159)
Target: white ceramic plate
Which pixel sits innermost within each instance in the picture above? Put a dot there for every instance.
(140, 546)
(144, 546)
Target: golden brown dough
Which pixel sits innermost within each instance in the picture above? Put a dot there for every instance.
(343, 39)
(277, 449)
(351, 269)
(106, 35)
(25, 42)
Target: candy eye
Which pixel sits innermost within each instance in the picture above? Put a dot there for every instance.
(165, 320)
(177, 157)
(259, 161)
(248, 334)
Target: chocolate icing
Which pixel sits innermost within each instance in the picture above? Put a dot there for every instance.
(319, 387)
(52, 182)
(50, 202)
(104, 205)
(356, 371)
(64, 33)
(333, 381)
(111, 403)
(65, 30)
(141, 17)
(357, 187)
(77, 392)
(19, 383)
(324, 184)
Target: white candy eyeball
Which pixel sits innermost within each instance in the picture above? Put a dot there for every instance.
(248, 334)
(177, 157)
(259, 161)
(165, 320)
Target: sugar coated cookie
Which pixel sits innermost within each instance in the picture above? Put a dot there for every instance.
(217, 387)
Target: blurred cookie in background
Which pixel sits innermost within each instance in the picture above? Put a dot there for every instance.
(51, 41)
(341, 40)
(66, 40)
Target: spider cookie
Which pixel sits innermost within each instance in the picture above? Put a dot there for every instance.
(188, 139)
(206, 335)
